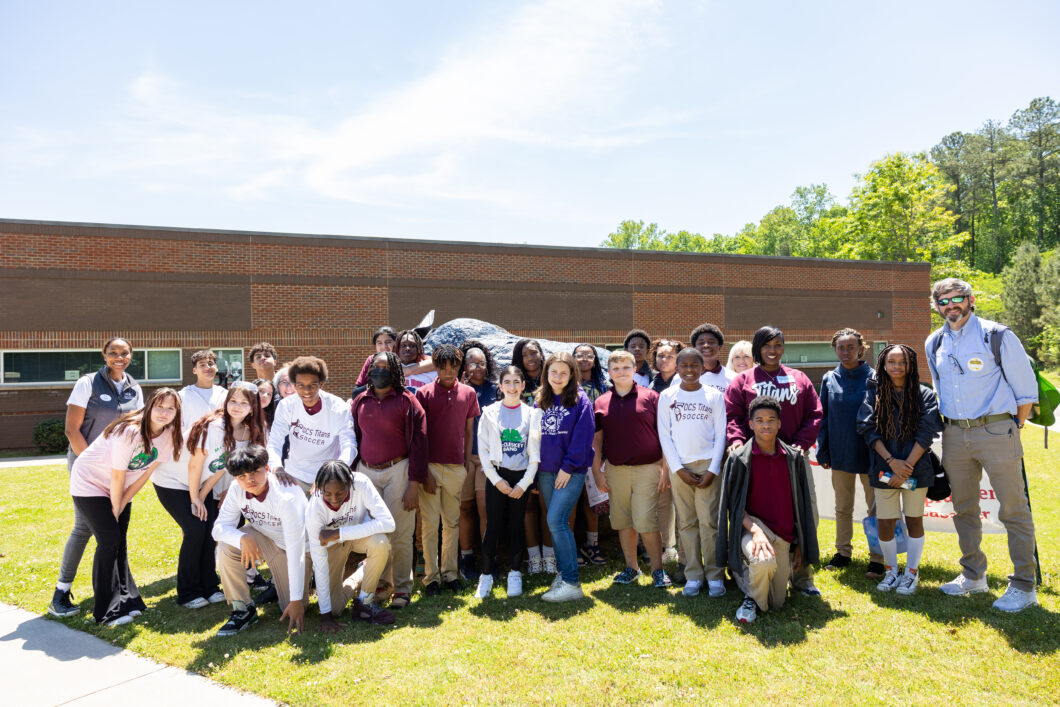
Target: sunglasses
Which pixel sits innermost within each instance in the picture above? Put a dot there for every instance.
(943, 301)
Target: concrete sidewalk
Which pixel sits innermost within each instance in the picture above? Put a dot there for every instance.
(11, 462)
(46, 663)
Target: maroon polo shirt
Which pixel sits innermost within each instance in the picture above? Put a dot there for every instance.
(631, 437)
(382, 424)
(447, 410)
(769, 496)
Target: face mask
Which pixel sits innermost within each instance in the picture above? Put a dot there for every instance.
(380, 377)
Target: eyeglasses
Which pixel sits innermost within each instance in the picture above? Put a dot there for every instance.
(584, 357)
(476, 366)
(957, 364)
(943, 301)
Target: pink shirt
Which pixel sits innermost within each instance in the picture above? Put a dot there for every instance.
(90, 475)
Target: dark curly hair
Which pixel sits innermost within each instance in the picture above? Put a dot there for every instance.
(491, 363)
(597, 377)
(397, 371)
(857, 335)
(896, 418)
(706, 328)
(660, 343)
(414, 335)
(308, 365)
(447, 355)
(517, 360)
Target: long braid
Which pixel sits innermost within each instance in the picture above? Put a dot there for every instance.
(897, 417)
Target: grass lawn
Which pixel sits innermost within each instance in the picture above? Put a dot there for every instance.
(629, 644)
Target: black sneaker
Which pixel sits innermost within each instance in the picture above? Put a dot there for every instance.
(837, 562)
(259, 583)
(62, 604)
(876, 570)
(267, 596)
(371, 613)
(238, 621)
(432, 590)
(455, 586)
(469, 568)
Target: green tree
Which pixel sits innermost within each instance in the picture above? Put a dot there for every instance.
(634, 235)
(1021, 281)
(1039, 127)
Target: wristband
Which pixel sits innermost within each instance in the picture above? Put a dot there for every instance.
(888, 460)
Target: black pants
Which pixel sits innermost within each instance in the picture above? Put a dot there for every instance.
(196, 568)
(504, 512)
(112, 583)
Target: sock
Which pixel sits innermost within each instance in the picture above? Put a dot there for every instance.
(63, 586)
(515, 573)
(547, 551)
(890, 553)
(534, 552)
(914, 549)
(591, 538)
(251, 574)
(465, 553)
(366, 597)
(238, 606)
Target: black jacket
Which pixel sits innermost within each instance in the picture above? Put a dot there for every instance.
(927, 429)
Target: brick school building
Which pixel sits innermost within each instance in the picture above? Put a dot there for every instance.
(67, 287)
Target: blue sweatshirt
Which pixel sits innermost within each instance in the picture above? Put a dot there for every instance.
(567, 437)
(838, 443)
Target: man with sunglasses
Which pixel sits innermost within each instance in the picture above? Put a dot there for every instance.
(984, 405)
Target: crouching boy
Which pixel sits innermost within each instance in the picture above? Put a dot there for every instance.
(274, 533)
(766, 529)
(347, 515)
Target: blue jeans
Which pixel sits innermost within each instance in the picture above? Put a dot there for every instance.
(560, 503)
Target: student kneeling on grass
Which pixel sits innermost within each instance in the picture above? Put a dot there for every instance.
(274, 533)
(766, 529)
(346, 515)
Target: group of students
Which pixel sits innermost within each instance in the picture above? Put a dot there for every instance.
(283, 472)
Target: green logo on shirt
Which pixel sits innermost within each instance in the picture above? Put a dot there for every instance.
(219, 463)
(143, 459)
(511, 435)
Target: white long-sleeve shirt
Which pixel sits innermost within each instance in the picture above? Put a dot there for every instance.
(362, 514)
(314, 439)
(280, 517)
(692, 426)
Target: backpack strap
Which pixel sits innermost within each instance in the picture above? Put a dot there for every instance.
(993, 337)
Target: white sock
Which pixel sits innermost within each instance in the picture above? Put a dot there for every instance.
(592, 538)
(547, 551)
(365, 597)
(465, 553)
(890, 553)
(534, 551)
(515, 573)
(63, 586)
(914, 549)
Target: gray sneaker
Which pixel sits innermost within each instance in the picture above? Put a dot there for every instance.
(961, 586)
(564, 592)
(1014, 600)
(890, 580)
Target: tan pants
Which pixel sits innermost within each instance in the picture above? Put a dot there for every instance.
(391, 483)
(995, 448)
(766, 581)
(844, 484)
(634, 496)
(234, 574)
(442, 505)
(377, 549)
(697, 524)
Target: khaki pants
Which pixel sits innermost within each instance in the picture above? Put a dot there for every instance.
(377, 549)
(845, 484)
(634, 496)
(391, 483)
(995, 448)
(766, 581)
(442, 505)
(234, 574)
(697, 524)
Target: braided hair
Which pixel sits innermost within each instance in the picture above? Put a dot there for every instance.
(334, 470)
(397, 371)
(897, 417)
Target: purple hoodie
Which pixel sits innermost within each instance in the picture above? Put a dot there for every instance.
(567, 437)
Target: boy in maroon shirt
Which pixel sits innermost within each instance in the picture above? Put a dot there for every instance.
(451, 408)
(766, 530)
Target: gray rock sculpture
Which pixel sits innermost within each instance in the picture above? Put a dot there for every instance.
(500, 341)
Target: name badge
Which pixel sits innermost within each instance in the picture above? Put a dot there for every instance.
(105, 398)
(975, 364)
(783, 379)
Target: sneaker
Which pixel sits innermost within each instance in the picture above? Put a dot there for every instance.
(556, 581)
(515, 583)
(748, 611)
(548, 565)
(469, 568)
(716, 588)
(455, 586)
(837, 562)
(583, 561)
(400, 600)
(907, 584)
(534, 565)
(196, 603)
(810, 590)
(593, 554)
(120, 621)
(1014, 600)
(669, 555)
(269, 595)
(679, 576)
(238, 621)
(692, 587)
(564, 592)
(216, 598)
(62, 604)
(661, 580)
(259, 582)
(961, 586)
(370, 613)
(890, 581)
(875, 570)
(432, 590)
(485, 586)
(626, 576)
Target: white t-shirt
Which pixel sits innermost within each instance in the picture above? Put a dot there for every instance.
(90, 475)
(214, 444)
(349, 519)
(195, 403)
(719, 381)
(314, 439)
(82, 391)
(419, 380)
(280, 517)
(691, 426)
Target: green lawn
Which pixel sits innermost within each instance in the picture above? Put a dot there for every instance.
(631, 644)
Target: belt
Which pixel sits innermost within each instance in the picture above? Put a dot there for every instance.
(384, 465)
(978, 421)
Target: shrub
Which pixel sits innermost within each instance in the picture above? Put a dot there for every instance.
(50, 436)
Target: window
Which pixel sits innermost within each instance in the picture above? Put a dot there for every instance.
(807, 353)
(58, 367)
(229, 365)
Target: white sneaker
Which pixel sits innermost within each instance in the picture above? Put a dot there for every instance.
(533, 565)
(564, 592)
(907, 584)
(962, 586)
(485, 586)
(196, 603)
(716, 587)
(548, 565)
(748, 611)
(515, 583)
(889, 582)
(692, 587)
(1014, 600)
(669, 555)
(120, 621)
(555, 582)
(216, 598)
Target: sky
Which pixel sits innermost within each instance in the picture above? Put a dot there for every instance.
(544, 122)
